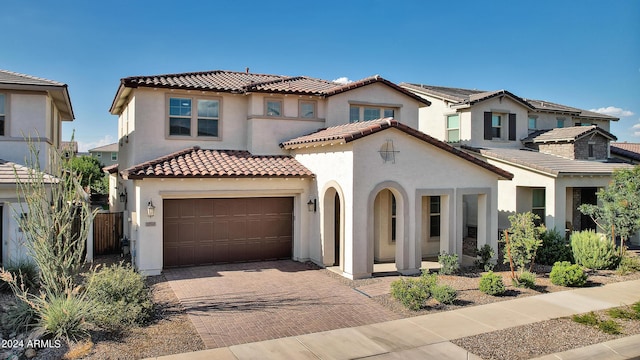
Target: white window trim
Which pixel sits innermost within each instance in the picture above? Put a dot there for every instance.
(194, 117)
(447, 128)
(315, 108)
(114, 158)
(380, 107)
(501, 127)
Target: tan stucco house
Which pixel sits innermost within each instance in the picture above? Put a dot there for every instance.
(559, 155)
(223, 166)
(30, 107)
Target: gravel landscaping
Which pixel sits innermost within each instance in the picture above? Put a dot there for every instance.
(171, 332)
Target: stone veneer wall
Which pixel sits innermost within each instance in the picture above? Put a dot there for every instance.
(566, 150)
(600, 147)
(577, 215)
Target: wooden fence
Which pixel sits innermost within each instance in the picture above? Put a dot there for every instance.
(107, 232)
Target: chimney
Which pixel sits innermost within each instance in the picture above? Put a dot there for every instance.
(246, 69)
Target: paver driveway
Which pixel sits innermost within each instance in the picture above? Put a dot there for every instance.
(239, 303)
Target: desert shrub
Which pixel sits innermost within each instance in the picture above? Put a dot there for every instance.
(25, 273)
(64, 315)
(526, 279)
(120, 296)
(448, 263)
(636, 309)
(623, 313)
(20, 317)
(492, 284)
(564, 273)
(521, 241)
(555, 247)
(593, 251)
(445, 294)
(610, 327)
(628, 264)
(590, 319)
(411, 292)
(485, 253)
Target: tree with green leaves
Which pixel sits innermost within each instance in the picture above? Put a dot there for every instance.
(522, 240)
(91, 175)
(618, 211)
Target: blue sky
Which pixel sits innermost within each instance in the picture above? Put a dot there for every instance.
(584, 54)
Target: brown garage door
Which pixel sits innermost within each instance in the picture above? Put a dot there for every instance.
(213, 231)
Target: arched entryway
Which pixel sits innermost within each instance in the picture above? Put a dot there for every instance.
(333, 228)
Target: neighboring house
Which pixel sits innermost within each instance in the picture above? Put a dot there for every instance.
(627, 152)
(223, 166)
(31, 110)
(107, 154)
(559, 155)
(69, 149)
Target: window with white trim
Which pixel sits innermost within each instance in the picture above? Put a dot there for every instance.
(537, 204)
(183, 120)
(496, 126)
(365, 113)
(114, 156)
(308, 109)
(453, 128)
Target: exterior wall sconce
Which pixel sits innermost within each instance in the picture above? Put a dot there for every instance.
(123, 197)
(151, 210)
(311, 205)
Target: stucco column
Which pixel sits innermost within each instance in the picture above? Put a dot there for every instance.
(560, 209)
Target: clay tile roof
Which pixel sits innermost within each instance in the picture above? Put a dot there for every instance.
(566, 134)
(110, 169)
(9, 170)
(629, 150)
(10, 77)
(200, 163)
(550, 164)
(353, 131)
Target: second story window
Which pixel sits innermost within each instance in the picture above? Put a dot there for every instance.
(366, 113)
(3, 114)
(453, 128)
(114, 156)
(532, 124)
(273, 108)
(560, 123)
(308, 110)
(182, 118)
(496, 126)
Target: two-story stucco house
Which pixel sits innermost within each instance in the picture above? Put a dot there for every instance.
(559, 155)
(106, 154)
(223, 166)
(31, 109)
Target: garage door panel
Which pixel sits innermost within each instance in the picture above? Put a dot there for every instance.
(206, 231)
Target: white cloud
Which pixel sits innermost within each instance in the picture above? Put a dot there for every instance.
(85, 146)
(342, 80)
(636, 129)
(613, 111)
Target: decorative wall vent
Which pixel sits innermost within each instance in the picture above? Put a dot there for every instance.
(388, 151)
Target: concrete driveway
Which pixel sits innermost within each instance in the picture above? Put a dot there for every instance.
(239, 303)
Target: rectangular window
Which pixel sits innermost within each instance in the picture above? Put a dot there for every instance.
(114, 156)
(393, 218)
(560, 123)
(389, 113)
(274, 108)
(3, 114)
(434, 216)
(180, 116)
(532, 124)
(591, 152)
(496, 126)
(354, 114)
(308, 109)
(371, 113)
(453, 128)
(208, 114)
(537, 205)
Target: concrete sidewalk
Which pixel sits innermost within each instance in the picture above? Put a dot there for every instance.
(428, 336)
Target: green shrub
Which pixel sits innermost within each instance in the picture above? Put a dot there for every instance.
(621, 313)
(526, 279)
(24, 271)
(120, 296)
(485, 253)
(565, 274)
(63, 315)
(593, 251)
(628, 264)
(590, 319)
(411, 292)
(636, 309)
(20, 317)
(610, 327)
(445, 294)
(555, 247)
(448, 263)
(492, 284)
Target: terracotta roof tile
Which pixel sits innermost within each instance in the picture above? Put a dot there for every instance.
(630, 150)
(9, 170)
(353, 131)
(110, 169)
(547, 163)
(201, 163)
(569, 134)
